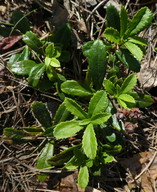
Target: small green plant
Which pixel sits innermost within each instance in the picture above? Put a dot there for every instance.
(89, 108)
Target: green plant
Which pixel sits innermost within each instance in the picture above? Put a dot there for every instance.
(89, 109)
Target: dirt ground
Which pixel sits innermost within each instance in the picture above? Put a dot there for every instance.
(136, 168)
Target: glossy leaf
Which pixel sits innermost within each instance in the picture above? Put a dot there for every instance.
(128, 59)
(140, 21)
(42, 114)
(100, 118)
(86, 48)
(112, 17)
(67, 129)
(42, 162)
(135, 50)
(74, 88)
(35, 74)
(61, 114)
(97, 62)
(109, 86)
(112, 35)
(98, 103)
(83, 177)
(123, 20)
(52, 61)
(33, 42)
(89, 142)
(51, 73)
(129, 83)
(22, 67)
(137, 40)
(74, 108)
(50, 50)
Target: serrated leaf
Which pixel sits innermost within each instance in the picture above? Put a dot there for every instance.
(74, 108)
(140, 21)
(142, 100)
(42, 162)
(42, 114)
(100, 118)
(134, 49)
(126, 101)
(52, 62)
(75, 88)
(98, 103)
(61, 114)
(66, 129)
(89, 142)
(97, 63)
(22, 67)
(33, 42)
(123, 20)
(83, 177)
(137, 40)
(112, 17)
(35, 74)
(128, 84)
(128, 59)
(112, 35)
(109, 86)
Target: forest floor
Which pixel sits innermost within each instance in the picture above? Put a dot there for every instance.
(136, 168)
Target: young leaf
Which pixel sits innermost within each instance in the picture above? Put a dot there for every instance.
(50, 50)
(137, 40)
(83, 177)
(75, 88)
(41, 114)
(123, 20)
(140, 21)
(22, 67)
(67, 129)
(126, 101)
(42, 162)
(98, 103)
(35, 74)
(107, 158)
(128, 59)
(112, 35)
(100, 118)
(97, 63)
(89, 142)
(33, 42)
(51, 73)
(112, 17)
(109, 86)
(134, 49)
(61, 114)
(128, 84)
(52, 62)
(74, 108)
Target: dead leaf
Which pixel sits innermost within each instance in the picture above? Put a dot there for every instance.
(8, 42)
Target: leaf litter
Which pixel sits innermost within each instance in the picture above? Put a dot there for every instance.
(136, 169)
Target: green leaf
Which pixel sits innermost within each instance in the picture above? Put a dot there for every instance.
(42, 114)
(137, 40)
(134, 49)
(112, 149)
(50, 50)
(51, 73)
(112, 35)
(35, 74)
(100, 118)
(112, 17)
(98, 103)
(97, 63)
(20, 21)
(126, 101)
(61, 114)
(33, 42)
(74, 108)
(128, 84)
(42, 162)
(142, 100)
(128, 59)
(140, 21)
(75, 88)
(83, 177)
(89, 142)
(67, 129)
(52, 62)
(109, 86)
(22, 67)
(123, 20)
(86, 48)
